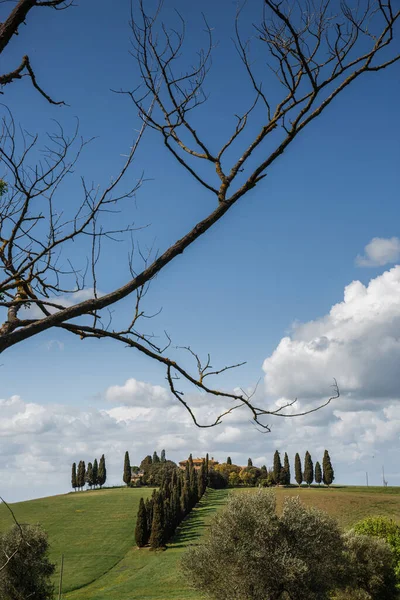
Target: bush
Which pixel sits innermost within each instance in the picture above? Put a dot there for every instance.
(369, 568)
(389, 531)
(253, 554)
(28, 573)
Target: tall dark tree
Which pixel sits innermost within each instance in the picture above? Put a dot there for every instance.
(156, 458)
(81, 474)
(95, 472)
(229, 460)
(163, 456)
(89, 475)
(318, 473)
(74, 483)
(102, 474)
(286, 466)
(127, 469)
(249, 462)
(157, 527)
(149, 514)
(202, 478)
(298, 473)
(141, 531)
(308, 469)
(277, 466)
(328, 474)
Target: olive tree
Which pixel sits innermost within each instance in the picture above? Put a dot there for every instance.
(251, 553)
(28, 574)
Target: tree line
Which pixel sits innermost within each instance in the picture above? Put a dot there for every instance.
(159, 516)
(229, 474)
(95, 474)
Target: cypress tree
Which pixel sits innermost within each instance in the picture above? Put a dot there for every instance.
(157, 526)
(308, 469)
(328, 473)
(95, 473)
(207, 471)
(149, 514)
(78, 475)
(185, 499)
(141, 531)
(102, 474)
(277, 466)
(298, 473)
(229, 460)
(249, 462)
(74, 483)
(89, 475)
(318, 473)
(286, 466)
(163, 456)
(81, 474)
(202, 479)
(156, 458)
(127, 469)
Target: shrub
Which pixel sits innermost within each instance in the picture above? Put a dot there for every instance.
(388, 530)
(369, 568)
(28, 573)
(253, 554)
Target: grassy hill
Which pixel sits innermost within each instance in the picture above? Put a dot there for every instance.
(95, 531)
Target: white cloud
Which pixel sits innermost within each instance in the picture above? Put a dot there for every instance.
(139, 393)
(358, 342)
(379, 252)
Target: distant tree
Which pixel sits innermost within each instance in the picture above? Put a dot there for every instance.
(207, 469)
(202, 478)
(328, 474)
(74, 483)
(298, 473)
(81, 474)
(156, 458)
(127, 469)
(249, 462)
(102, 474)
(89, 475)
(277, 466)
(234, 479)
(141, 531)
(229, 460)
(95, 472)
(163, 456)
(286, 467)
(308, 469)
(318, 473)
(157, 535)
(297, 554)
(28, 574)
(146, 462)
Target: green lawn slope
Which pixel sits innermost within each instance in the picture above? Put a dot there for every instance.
(95, 531)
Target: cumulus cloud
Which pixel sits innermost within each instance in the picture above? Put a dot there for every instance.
(138, 393)
(358, 342)
(380, 252)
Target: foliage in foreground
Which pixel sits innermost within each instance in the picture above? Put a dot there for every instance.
(28, 574)
(386, 529)
(254, 554)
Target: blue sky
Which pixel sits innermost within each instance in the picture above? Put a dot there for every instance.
(284, 254)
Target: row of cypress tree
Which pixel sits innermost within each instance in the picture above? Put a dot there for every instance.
(95, 474)
(161, 514)
(325, 475)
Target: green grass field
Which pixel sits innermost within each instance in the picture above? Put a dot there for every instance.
(95, 531)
